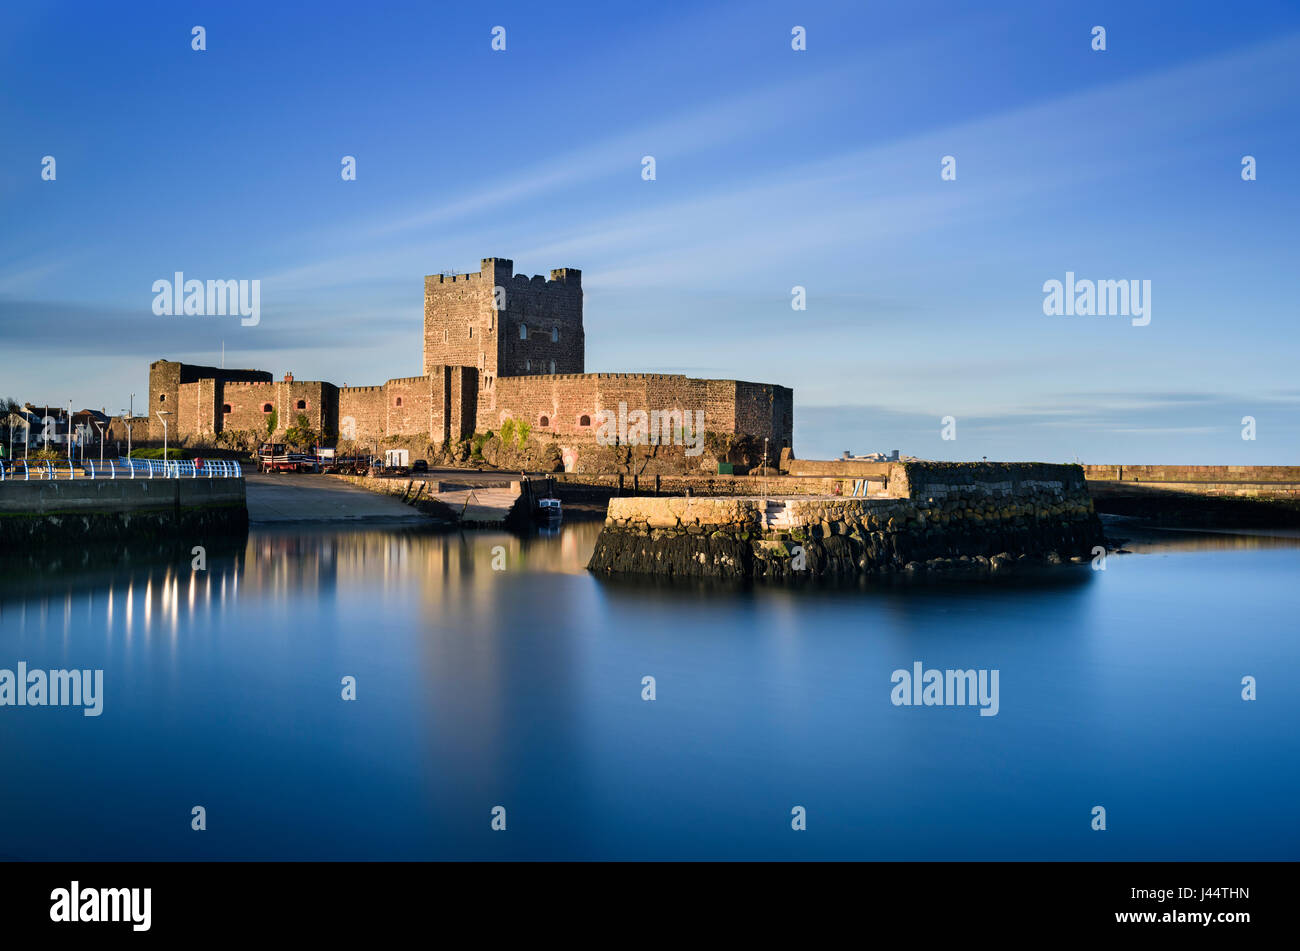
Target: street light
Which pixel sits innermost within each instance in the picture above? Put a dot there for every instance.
(764, 467)
(101, 443)
(161, 414)
(128, 435)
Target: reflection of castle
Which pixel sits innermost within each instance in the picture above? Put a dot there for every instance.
(497, 345)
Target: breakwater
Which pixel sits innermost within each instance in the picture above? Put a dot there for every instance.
(53, 512)
(1217, 496)
(976, 518)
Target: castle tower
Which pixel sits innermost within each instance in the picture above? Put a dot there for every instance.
(504, 324)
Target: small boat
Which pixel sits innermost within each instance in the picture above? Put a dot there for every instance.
(548, 509)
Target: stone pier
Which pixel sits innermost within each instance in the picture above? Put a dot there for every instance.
(977, 518)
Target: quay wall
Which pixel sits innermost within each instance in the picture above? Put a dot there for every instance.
(42, 512)
(1197, 474)
(969, 517)
(1192, 496)
(711, 484)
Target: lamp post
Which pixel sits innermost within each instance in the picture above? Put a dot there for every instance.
(162, 414)
(69, 434)
(128, 435)
(101, 442)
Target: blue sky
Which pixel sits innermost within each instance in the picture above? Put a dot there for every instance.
(775, 168)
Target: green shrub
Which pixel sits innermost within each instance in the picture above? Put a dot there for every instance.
(300, 435)
(172, 453)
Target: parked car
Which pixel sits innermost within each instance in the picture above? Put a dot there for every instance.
(420, 465)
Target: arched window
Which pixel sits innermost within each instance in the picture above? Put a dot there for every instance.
(552, 366)
(528, 366)
(584, 420)
(444, 335)
(545, 421)
(398, 402)
(226, 408)
(302, 404)
(523, 331)
(266, 407)
(555, 335)
(471, 331)
(162, 397)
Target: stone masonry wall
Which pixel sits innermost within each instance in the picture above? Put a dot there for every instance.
(566, 405)
(462, 326)
(241, 407)
(165, 379)
(763, 409)
(363, 414)
(437, 406)
(541, 325)
(1222, 474)
(459, 321)
(983, 525)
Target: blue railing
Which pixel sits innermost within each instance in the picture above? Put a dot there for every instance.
(123, 469)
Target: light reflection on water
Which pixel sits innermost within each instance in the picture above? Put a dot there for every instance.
(521, 687)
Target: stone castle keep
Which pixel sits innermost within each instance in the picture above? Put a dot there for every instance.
(497, 346)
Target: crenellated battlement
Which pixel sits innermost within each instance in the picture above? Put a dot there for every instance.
(503, 323)
(500, 271)
(452, 278)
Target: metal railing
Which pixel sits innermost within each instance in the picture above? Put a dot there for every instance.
(123, 469)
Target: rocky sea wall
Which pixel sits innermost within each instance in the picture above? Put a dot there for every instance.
(979, 518)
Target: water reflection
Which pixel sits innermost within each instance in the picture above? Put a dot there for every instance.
(147, 589)
(494, 669)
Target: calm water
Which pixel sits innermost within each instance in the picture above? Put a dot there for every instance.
(522, 688)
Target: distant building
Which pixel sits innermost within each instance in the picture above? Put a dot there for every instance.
(891, 456)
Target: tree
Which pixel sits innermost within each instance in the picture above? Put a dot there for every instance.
(8, 423)
(300, 435)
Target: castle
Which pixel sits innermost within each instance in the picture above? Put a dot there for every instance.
(497, 346)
